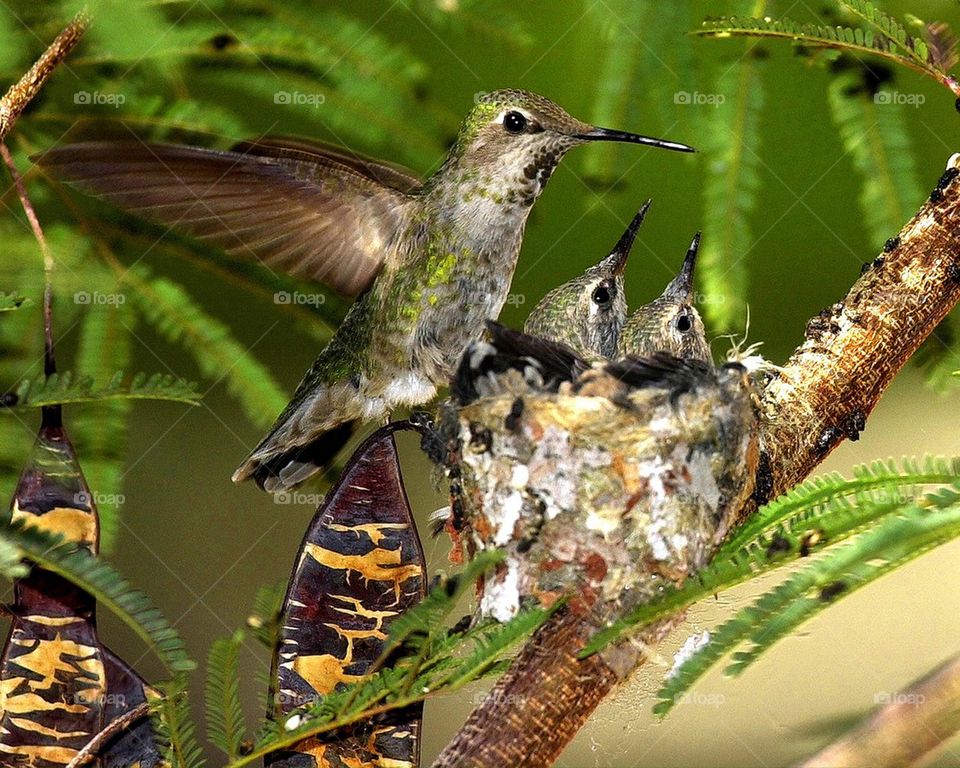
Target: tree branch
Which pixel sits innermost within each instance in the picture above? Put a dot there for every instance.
(23, 92)
(824, 393)
(914, 724)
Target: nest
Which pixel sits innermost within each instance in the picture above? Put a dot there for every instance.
(601, 499)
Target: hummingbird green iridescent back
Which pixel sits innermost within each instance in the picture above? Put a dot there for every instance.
(670, 323)
(429, 262)
(587, 313)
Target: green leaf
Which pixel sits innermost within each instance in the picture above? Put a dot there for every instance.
(427, 617)
(111, 590)
(883, 479)
(128, 30)
(60, 388)
(10, 301)
(173, 727)
(731, 147)
(840, 571)
(873, 129)
(264, 619)
(434, 661)
(891, 44)
(821, 512)
(225, 726)
(100, 430)
(170, 309)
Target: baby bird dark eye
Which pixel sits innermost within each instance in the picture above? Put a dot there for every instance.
(684, 323)
(601, 295)
(514, 122)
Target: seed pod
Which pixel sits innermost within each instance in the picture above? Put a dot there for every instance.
(62, 686)
(359, 567)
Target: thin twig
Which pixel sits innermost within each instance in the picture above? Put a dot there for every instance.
(823, 395)
(23, 92)
(909, 728)
(116, 726)
(51, 414)
(49, 363)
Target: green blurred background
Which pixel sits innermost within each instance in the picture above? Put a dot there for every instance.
(201, 546)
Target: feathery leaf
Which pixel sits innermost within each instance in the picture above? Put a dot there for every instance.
(60, 388)
(264, 619)
(873, 130)
(170, 309)
(899, 539)
(9, 301)
(730, 190)
(821, 512)
(225, 726)
(892, 44)
(105, 585)
(173, 726)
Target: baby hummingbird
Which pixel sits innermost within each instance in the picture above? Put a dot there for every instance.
(669, 323)
(588, 312)
(430, 260)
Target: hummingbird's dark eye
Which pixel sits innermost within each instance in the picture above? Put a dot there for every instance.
(684, 323)
(601, 295)
(514, 122)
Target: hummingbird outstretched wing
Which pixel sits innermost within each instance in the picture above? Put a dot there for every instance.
(389, 174)
(311, 213)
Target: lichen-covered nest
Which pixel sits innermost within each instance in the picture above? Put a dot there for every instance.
(604, 494)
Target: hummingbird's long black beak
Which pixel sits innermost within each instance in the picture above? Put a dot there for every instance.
(621, 251)
(681, 287)
(608, 134)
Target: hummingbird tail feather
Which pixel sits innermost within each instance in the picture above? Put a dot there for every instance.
(288, 468)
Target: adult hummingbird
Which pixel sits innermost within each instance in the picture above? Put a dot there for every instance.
(587, 313)
(431, 261)
(670, 323)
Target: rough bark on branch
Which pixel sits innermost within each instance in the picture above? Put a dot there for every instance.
(822, 395)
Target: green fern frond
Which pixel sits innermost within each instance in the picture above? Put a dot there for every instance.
(427, 617)
(904, 52)
(435, 661)
(111, 590)
(173, 726)
(885, 479)
(873, 129)
(901, 538)
(617, 78)
(60, 388)
(100, 430)
(170, 309)
(491, 642)
(225, 725)
(122, 28)
(264, 619)
(10, 301)
(889, 28)
(319, 317)
(465, 658)
(819, 513)
(11, 561)
(730, 190)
